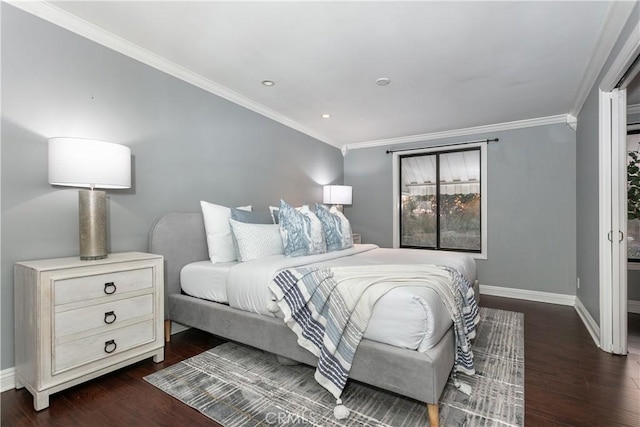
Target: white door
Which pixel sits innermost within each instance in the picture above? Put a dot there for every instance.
(612, 191)
(613, 221)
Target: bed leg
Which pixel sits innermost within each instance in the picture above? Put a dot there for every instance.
(434, 414)
(167, 330)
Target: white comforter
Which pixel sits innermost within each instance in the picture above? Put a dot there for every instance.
(419, 325)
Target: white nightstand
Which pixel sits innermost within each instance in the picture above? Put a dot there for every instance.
(76, 320)
(357, 239)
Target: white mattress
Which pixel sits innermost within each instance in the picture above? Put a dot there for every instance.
(206, 280)
(407, 317)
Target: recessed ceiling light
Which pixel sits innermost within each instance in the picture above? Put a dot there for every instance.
(326, 116)
(383, 81)
(268, 82)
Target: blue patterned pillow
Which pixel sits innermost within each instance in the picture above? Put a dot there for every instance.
(331, 228)
(337, 229)
(301, 231)
(347, 234)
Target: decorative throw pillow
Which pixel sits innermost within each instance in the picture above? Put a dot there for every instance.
(347, 234)
(251, 217)
(219, 238)
(275, 213)
(256, 240)
(301, 231)
(332, 227)
(318, 239)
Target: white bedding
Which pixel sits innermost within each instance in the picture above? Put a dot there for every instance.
(407, 317)
(206, 280)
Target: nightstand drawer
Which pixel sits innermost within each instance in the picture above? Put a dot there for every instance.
(79, 352)
(101, 285)
(110, 314)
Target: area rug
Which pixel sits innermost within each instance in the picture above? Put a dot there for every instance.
(238, 386)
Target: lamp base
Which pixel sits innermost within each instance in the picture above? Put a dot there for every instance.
(93, 224)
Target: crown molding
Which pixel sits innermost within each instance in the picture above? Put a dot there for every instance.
(519, 124)
(618, 14)
(68, 21)
(623, 60)
(616, 17)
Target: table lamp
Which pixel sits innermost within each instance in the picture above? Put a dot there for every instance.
(87, 163)
(337, 195)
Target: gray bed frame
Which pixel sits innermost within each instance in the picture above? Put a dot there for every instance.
(180, 239)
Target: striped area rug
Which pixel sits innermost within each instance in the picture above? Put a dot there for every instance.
(238, 386)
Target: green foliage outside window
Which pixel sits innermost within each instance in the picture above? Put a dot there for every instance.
(633, 205)
(633, 185)
(459, 221)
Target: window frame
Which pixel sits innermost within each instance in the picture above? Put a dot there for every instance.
(396, 201)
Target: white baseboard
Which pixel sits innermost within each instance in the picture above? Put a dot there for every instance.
(561, 299)
(7, 379)
(633, 306)
(589, 323)
(548, 297)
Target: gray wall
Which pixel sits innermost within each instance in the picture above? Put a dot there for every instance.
(531, 205)
(587, 186)
(587, 183)
(187, 145)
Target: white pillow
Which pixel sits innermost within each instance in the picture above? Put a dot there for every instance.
(219, 238)
(256, 240)
(275, 210)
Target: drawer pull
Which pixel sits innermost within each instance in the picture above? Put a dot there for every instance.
(109, 317)
(109, 288)
(110, 346)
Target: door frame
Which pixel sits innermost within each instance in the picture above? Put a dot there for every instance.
(613, 200)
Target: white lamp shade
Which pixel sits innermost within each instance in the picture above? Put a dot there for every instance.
(337, 194)
(77, 162)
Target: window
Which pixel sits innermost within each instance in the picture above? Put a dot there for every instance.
(439, 199)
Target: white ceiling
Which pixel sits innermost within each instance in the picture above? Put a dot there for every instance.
(452, 65)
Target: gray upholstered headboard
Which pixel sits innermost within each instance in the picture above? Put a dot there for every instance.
(180, 238)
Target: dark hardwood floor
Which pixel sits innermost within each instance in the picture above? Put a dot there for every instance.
(568, 381)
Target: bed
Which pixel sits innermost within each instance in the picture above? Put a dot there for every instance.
(180, 238)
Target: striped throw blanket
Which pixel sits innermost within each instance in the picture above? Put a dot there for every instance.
(329, 309)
